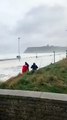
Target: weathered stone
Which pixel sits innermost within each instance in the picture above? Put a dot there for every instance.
(26, 105)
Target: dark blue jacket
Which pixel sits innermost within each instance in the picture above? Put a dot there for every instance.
(34, 66)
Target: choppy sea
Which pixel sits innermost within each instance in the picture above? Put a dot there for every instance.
(10, 68)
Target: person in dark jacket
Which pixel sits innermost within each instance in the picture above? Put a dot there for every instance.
(34, 67)
(25, 68)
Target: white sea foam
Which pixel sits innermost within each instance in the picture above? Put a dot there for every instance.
(9, 68)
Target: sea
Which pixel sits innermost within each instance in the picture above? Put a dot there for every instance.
(10, 66)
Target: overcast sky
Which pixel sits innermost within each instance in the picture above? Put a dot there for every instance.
(36, 22)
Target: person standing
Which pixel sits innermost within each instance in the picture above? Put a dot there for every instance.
(25, 68)
(34, 67)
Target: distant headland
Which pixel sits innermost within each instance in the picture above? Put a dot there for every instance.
(45, 49)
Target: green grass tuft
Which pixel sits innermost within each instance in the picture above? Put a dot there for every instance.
(52, 78)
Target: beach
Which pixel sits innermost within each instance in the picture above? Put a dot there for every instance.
(11, 66)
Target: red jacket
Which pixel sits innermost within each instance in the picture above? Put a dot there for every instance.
(24, 68)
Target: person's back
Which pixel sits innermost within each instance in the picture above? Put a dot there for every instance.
(34, 67)
(27, 65)
(25, 68)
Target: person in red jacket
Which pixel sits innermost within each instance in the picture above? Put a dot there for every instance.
(25, 68)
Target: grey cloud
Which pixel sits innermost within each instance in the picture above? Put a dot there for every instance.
(41, 25)
(41, 18)
(8, 42)
(44, 24)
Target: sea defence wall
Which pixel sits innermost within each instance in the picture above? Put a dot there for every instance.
(30, 105)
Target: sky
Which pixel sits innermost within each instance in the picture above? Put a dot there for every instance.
(35, 22)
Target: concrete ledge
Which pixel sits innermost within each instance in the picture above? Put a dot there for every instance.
(32, 105)
(34, 94)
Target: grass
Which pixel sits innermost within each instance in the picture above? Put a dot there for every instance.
(52, 78)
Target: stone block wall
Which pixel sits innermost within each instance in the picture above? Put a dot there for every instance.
(26, 105)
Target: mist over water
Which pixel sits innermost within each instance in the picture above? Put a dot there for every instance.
(10, 68)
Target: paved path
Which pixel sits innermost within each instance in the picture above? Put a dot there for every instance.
(46, 95)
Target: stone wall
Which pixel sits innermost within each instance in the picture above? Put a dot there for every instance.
(26, 105)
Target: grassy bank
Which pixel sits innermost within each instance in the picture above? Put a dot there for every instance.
(52, 78)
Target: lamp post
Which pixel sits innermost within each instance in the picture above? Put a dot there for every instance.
(19, 46)
(54, 56)
(19, 57)
(66, 53)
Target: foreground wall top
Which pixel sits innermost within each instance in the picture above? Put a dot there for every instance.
(45, 95)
